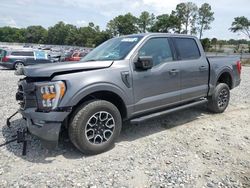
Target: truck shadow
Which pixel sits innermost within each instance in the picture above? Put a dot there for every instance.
(35, 151)
(5, 69)
(37, 154)
(132, 132)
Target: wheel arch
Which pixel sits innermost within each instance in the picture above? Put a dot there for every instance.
(18, 61)
(225, 77)
(108, 92)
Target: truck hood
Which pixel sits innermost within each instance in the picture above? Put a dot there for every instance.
(48, 70)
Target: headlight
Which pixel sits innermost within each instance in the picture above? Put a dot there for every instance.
(49, 94)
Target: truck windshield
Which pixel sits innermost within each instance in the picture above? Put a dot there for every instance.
(113, 49)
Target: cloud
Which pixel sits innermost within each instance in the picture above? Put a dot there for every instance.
(24, 2)
(81, 23)
(8, 21)
(80, 12)
(111, 8)
(160, 6)
(108, 8)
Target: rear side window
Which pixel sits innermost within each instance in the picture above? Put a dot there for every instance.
(187, 48)
(22, 53)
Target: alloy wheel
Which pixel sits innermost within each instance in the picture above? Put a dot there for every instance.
(100, 127)
(223, 98)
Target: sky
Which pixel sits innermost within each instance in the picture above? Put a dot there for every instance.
(23, 13)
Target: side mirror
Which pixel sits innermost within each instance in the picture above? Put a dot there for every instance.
(144, 63)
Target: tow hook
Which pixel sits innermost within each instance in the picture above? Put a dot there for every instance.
(20, 137)
(8, 119)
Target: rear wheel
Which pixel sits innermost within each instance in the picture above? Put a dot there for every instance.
(219, 101)
(18, 65)
(95, 126)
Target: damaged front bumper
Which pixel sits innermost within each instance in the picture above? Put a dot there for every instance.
(46, 126)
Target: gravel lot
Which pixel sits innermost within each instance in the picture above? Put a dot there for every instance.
(191, 148)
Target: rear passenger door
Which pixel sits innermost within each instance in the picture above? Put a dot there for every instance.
(194, 68)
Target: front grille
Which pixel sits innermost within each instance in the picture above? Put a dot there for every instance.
(26, 95)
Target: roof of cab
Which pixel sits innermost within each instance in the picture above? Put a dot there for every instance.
(159, 34)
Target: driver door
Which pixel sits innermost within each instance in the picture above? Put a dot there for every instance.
(159, 86)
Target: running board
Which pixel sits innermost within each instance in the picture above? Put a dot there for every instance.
(157, 114)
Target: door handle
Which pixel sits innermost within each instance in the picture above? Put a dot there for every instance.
(203, 68)
(174, 71)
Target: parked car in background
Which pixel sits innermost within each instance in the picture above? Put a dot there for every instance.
(75, 56)
(13, 59)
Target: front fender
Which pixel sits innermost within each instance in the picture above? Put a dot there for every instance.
(83, 92)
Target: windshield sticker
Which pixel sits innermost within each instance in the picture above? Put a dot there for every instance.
(129, 39)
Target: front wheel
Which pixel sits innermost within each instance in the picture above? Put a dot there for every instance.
(95, 126)
(219, 101)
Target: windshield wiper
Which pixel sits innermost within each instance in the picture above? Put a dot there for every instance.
(98, 60)
(89, 60)
(92, 60)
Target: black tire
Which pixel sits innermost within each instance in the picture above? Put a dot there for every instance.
(80, 126)
(18, 64)
(219, 101)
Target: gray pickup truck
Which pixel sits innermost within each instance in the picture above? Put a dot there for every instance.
(134, 77)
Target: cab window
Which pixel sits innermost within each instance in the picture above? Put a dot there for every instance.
(159, 49)
(187, 48)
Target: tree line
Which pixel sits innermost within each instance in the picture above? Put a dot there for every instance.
(187, 18)
(59, 34)
(241, 25)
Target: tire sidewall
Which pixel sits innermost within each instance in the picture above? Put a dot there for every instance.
(215, 97)
(90, 109)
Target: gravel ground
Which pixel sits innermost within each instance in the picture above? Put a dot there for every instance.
(190, 148)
